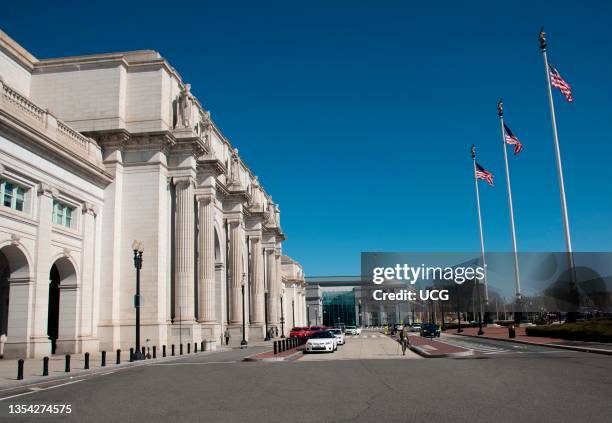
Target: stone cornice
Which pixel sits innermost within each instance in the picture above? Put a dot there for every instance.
(159, 141)
(213, 165)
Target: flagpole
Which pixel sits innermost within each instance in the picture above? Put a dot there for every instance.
(517, 278)
(568, 239)
(482, 250)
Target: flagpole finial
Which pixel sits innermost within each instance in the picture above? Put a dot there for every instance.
(542, 39)
(473, 151)
(500, 108)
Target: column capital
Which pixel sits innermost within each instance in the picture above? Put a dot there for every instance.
(204, 198)
(89, 208)
(182, 180)
(47, 190)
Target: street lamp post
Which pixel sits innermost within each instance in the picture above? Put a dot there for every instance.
(138, 249)
(293, 312)
(267, 338)
(243, 343)
(282, 319)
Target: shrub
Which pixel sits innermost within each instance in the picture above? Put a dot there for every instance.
(596, 330)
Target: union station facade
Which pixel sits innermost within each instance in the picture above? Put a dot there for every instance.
(100, 150)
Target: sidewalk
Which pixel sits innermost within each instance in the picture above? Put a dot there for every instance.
(501, 334)
(33, 368)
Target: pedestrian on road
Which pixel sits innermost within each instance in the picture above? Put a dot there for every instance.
(227, 336)
(404, 340)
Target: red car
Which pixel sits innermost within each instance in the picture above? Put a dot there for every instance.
(297, 332)
(312, 329)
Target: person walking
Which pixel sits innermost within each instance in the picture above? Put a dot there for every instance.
(227, 336)
(404, 340)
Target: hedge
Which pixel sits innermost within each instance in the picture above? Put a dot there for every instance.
(594, 331)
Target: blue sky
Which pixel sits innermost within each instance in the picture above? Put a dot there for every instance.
(358, 116)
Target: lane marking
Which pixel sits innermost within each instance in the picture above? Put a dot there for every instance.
(36, 389)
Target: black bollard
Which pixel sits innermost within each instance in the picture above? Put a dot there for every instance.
(202, 346)
(103, 360)
(195, 347)
(163, 350)
(275, 348)
(181, 349)
(118, 357)
(20, 369)
(131, 355)
(67, 367)
(172, 350)
(144, 352)
(86, 366)
(154, 351)
(189, 348)
(45, 366)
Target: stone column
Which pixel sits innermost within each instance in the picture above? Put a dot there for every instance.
(273, 288)
(257, 282)
(235, 295)
(184, 251)
(206, 304)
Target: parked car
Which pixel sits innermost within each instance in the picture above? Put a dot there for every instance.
(339, 335)
(416, 327)
(351, 330)
(321, 341)
(297, 332)
(312, 329)
(430, 330)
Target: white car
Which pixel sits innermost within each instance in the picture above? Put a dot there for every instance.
(321, 341)
(339, 335)
(353, 330)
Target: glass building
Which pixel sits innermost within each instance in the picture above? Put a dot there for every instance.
(339, 308)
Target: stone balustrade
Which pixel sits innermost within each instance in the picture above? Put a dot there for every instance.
(44, 122)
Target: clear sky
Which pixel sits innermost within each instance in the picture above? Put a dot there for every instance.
(358, 116)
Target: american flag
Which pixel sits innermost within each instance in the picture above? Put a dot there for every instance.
(513, 140)
(482, 173)
(558, 82)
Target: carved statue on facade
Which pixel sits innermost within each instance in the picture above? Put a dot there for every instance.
(185, 107)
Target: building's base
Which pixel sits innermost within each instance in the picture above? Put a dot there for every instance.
(257, 332)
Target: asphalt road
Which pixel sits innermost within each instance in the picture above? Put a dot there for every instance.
(511, 386)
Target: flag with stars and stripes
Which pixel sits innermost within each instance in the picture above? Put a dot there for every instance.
(482, 173)
(512, 140)
(558, 82)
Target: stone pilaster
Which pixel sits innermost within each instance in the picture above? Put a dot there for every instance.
(41, 345)
(184, 250)
(207, 307)
(257, 282)
(235, 295)
(87, 278)
(273, 288)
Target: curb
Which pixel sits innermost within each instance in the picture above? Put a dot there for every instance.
(426, 354)
(290, 357)
(558, 346)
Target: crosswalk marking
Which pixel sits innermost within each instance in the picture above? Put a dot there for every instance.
(481, 348)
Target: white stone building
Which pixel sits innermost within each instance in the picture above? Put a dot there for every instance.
(98, 151)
